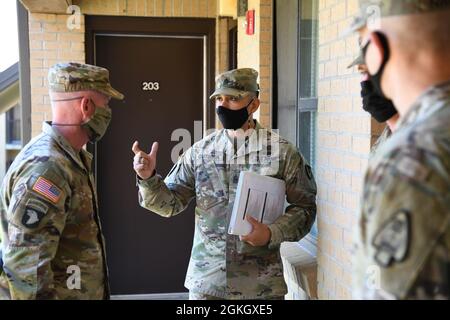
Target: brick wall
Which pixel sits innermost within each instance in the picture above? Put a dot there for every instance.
(50, 41)
(255, 51)
(265, 61)
(150, 8)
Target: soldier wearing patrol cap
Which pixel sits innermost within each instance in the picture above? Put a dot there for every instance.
(403, 236)
(51, 238)
(378, 106)
(224, 266)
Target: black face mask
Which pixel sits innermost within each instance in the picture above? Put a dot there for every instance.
(233, 119)
(380, 108)
(376, 78)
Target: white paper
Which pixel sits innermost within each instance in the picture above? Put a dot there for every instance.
(261, 197)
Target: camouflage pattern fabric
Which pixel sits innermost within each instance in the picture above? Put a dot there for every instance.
(403, 240)
(50, 224)
(221, 265)
(385, 135)
(358, 23)
(359, 60)
(73, 77)
(236, 83)
(200, 296)
(388, 8)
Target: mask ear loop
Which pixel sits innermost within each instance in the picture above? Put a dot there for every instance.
(387, 55)
(387, 50)
(250, 121)
(69, 99)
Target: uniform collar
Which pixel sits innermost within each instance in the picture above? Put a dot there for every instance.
(431, 101)
(83, 159)
(257, 141)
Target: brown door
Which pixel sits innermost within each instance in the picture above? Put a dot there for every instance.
(163, 66)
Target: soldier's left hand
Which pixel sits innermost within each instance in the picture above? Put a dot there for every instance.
(260, 235)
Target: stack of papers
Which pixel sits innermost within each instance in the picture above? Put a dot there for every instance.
(261, 197)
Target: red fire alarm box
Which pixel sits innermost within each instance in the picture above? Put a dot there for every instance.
(250, 22)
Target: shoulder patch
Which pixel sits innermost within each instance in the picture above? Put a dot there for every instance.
(35, 210)
(47, 189)
(392, 241)
(20, 190)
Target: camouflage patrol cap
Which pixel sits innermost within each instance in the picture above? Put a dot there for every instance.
(73, 77)
(236, 83)
(375, 9)
(358, 60)
(358, 23)
(388, 8)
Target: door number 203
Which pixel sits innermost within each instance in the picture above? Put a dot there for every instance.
(150, 86)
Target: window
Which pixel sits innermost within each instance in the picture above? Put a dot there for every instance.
(307, 74)
(13, 136)
(295, 75)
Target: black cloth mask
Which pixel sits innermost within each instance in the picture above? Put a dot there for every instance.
(233, 119)
(380, 108)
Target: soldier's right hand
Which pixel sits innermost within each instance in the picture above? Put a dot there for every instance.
(144, 164)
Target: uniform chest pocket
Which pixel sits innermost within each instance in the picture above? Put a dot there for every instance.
(210, 191)
(266, 166)
(82, 203)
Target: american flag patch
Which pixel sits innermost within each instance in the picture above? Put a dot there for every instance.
(47, 189)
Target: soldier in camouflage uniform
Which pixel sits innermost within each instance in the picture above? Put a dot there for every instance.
(380, 108)
(403, 236)
(51, 239)
(223, 266)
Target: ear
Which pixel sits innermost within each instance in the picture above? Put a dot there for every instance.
(375, 54)
(87, 108)
(254, 106)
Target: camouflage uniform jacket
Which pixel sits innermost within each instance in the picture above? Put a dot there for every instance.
(49, 224)
(221, 265)
(386, 134)
(403, 239)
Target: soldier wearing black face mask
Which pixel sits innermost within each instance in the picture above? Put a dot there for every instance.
(222, 265)
(401, 242)
(374, 102)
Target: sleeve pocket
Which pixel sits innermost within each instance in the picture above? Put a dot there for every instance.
(20, 266)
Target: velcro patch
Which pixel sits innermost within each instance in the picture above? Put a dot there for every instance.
(35, 210)
(413, 169)
(37, 205)
(392, 241)
(20, 190)
(47, 189)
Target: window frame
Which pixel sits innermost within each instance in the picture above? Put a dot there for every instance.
(13, 126)
(306, 106)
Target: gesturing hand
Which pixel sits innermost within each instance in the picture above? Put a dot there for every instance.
(144, 164)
